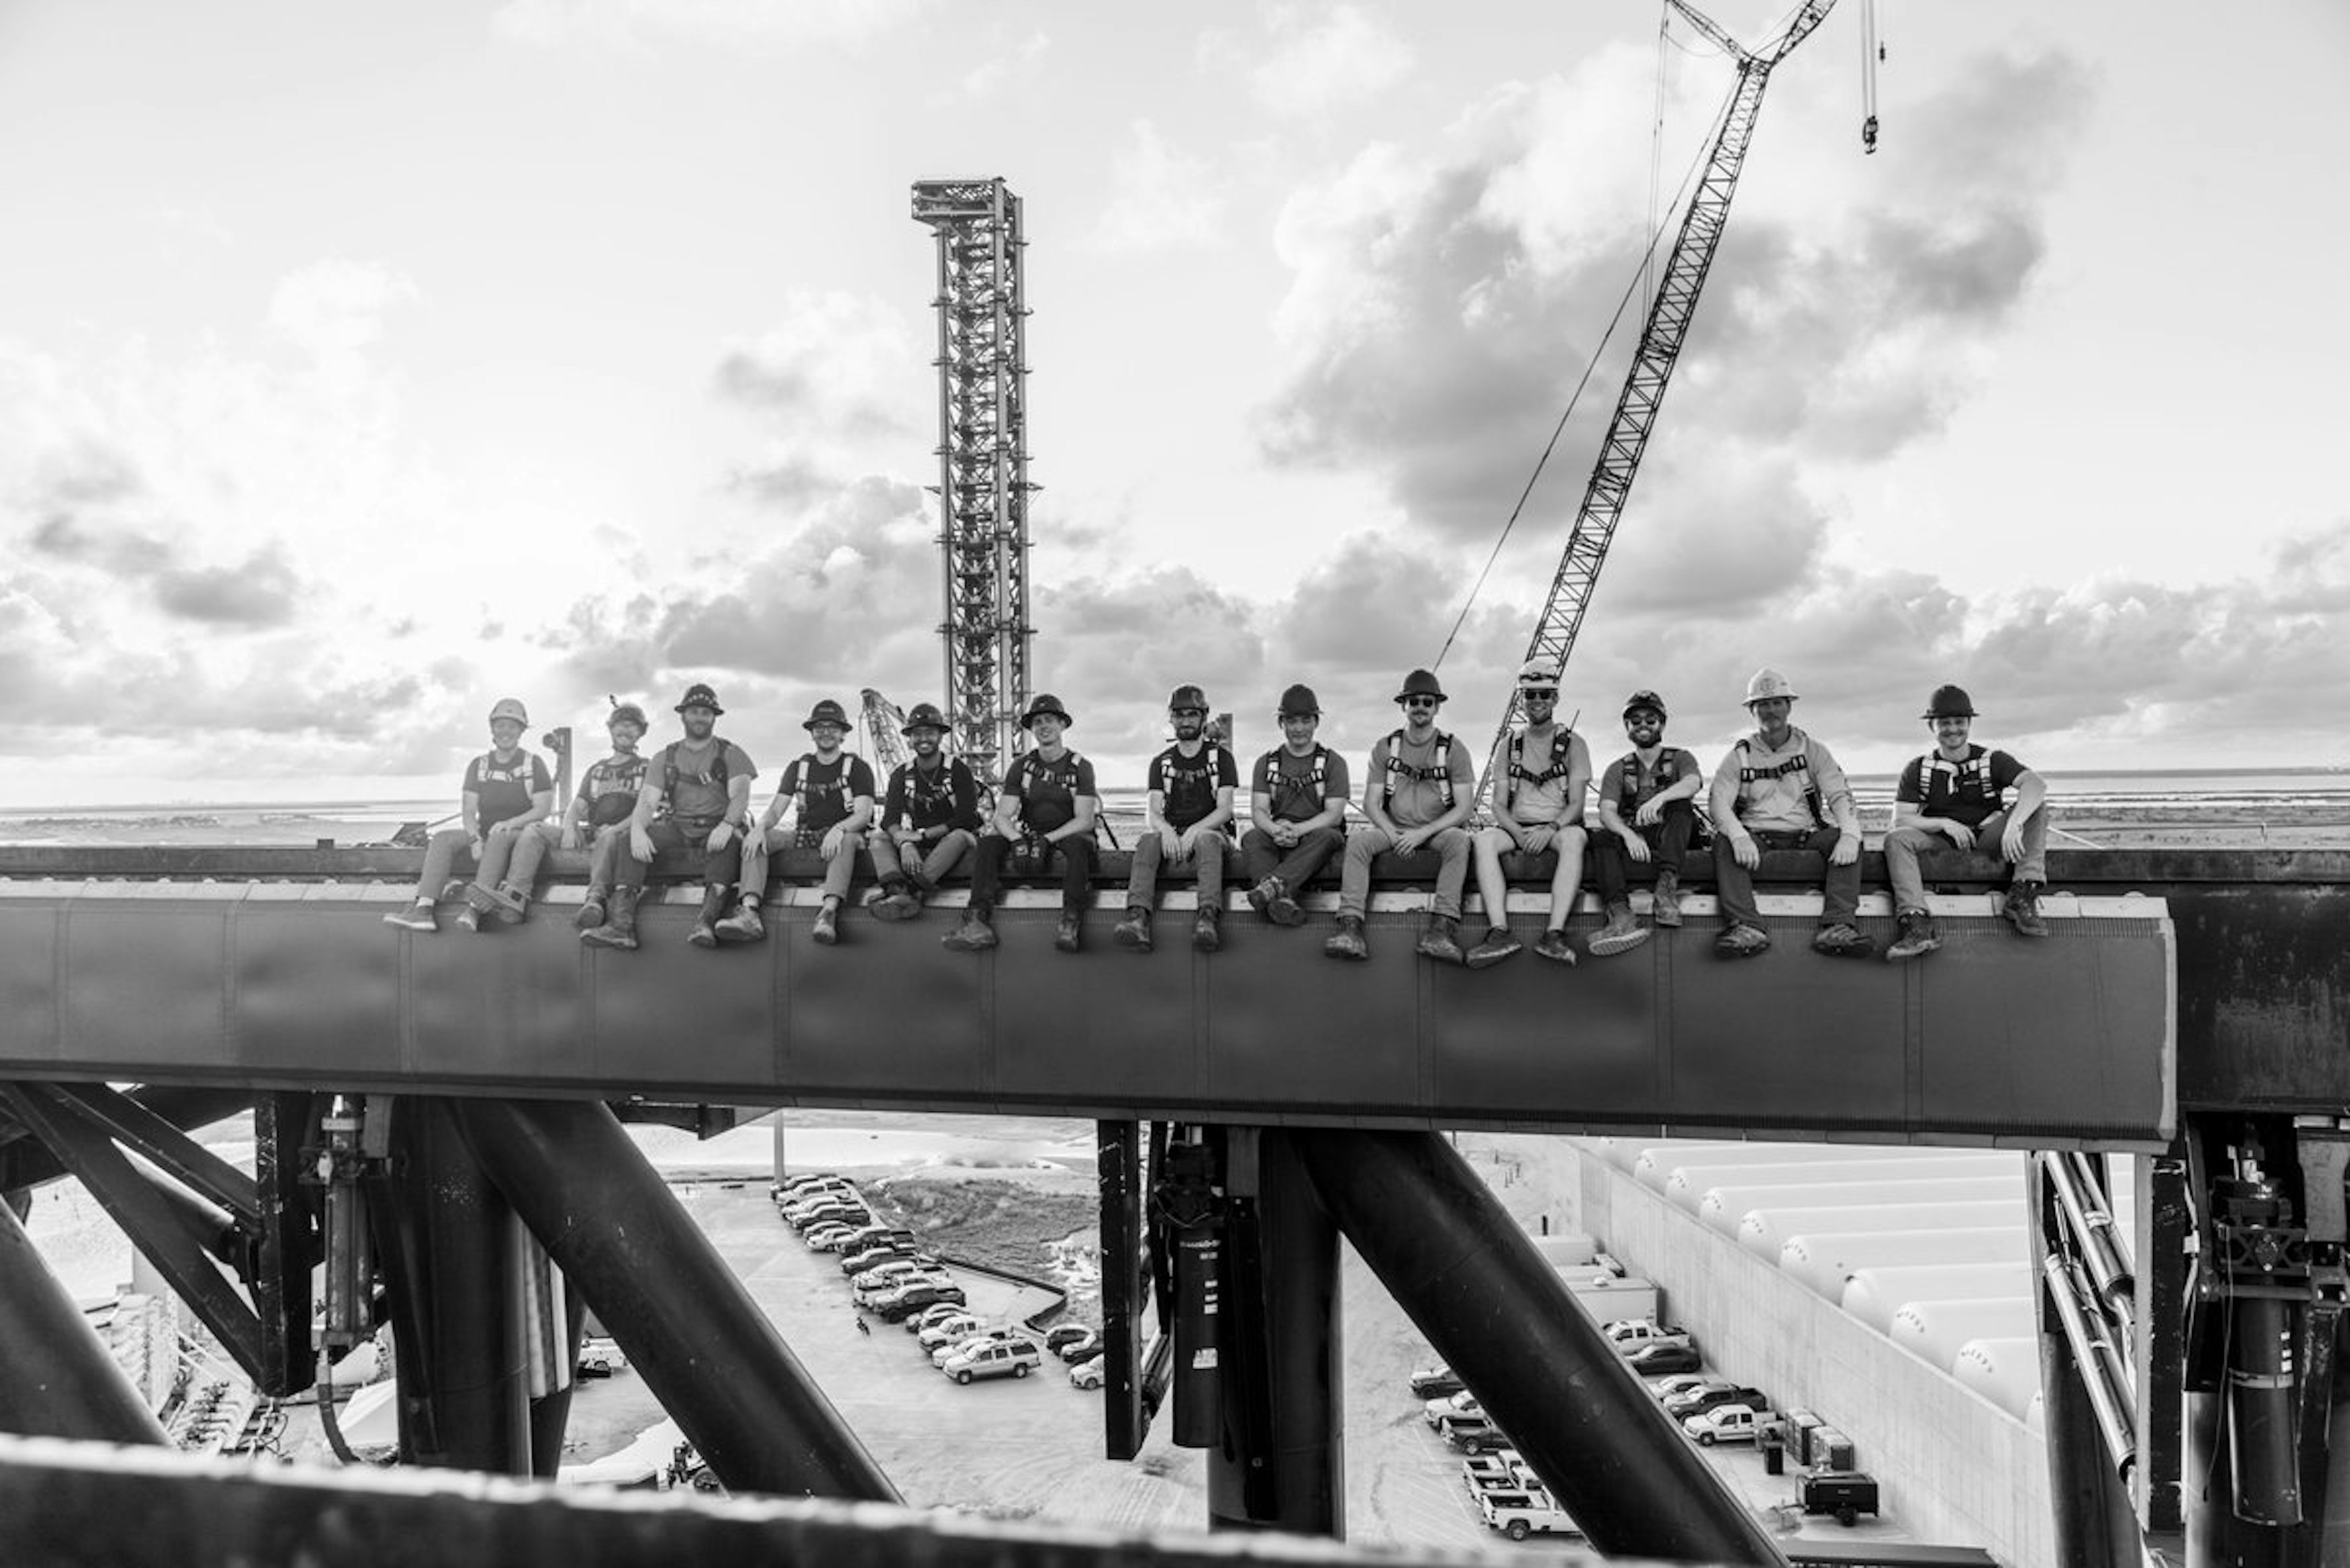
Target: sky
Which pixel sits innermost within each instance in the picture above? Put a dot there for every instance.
(362, 365)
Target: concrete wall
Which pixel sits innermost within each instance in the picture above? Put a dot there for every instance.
(1953, 1466)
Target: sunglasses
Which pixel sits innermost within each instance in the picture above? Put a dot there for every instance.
(1540, 694)
(1419, 702)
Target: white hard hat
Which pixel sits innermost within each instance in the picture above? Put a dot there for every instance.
(510, 708)
(1767, 683)
(1537, 671)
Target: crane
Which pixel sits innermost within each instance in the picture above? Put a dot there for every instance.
(883, 722)
(1661, 336)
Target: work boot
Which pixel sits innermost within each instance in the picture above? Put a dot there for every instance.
(591, 911)
(416, 917)
(744, 924)
(452, 889)
(2023, 910)
(705, 920)
(826, 929)
(1741, 940)
(1208, 929)
(1918, 937)
(1134, 931)
(1497, 945)
(468, 919)
(896, 902)
(1071, 936)
(1441, 940)
(1554, 947)
(1668, 911)
(1842, 940)
(1262, 896)
(923, 886)
(973, 935)
(620, 927)
(1621, 934)
(1286, 911)
(1346, 942)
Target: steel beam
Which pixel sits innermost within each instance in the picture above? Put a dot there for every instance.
(56, 1380)
(692, 1332)
(1470, 1279)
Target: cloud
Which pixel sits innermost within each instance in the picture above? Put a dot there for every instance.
(829, 383)
(1011, 67)
(334, 309)
(1317, 61)
(1163, 198)
(260, 591)
(628, 23)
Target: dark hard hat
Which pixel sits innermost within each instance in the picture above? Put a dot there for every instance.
(1949, 702)
(698, 695)
(1188, 697)
(1644, 700)
(1421, 683)
(925, 716)
(826, 712)
(1045, 702)
(628, 713)
(1299, 702)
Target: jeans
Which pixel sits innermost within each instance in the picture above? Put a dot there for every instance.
(1451, 875)
(1733, 883)
(936, 861)
(1206, 860)
(1261, 857)
(1668, 842)
(451, 847)
(1903, 844)
(676, 833)
(1076, 871)
(603, 845)
(839, 868)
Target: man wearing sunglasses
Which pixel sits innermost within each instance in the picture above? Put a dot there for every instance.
(1190, 807)
(1537, 805)
(1421, 788)
(1647, 813)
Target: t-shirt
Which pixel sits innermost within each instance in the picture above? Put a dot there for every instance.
(1048, 791)
(1966, 792)
(1771, 791)
(695, 780)
(923, 798)
(827, 792)
(1412, 779)
(607, 791)
(1190, 783)
(1631, 787)
(1288, 781)
(1538, 786)
(503, 788)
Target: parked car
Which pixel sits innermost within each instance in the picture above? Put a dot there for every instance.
(600, 1358)
(1679, 1382)
(969, 1342)
(931, 1317)
(1062, 1333)
(1461, 1404)
(890, 1275)
(818, 1193)
(1085, 1375)
(875, 1235)
(1082, 1347)
(807, 1178)
(1502, 1468)
(1698, 1401)
(1629, 1333)
(838, 1211)
(1080, 1355)
(1013, 1358)
(950, 1330)
(1527, 1512)
(855, 1263)
(827, 1237)
(1435, 1382)
(898, 1305)
(1471, 1434)
(1666, 1355)
(1724, 1424)
(801, 1188)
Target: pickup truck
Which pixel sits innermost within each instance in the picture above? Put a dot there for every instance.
(1524, 1511)
(1461, 1404)
(1724, 1424)
(1471, 1434)
(1633, 1333)
(1698, 1401)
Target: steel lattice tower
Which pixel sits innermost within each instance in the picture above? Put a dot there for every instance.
(983, 485)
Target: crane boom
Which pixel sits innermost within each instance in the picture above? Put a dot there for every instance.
(1661, 336)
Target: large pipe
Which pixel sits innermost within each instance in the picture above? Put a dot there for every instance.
(689, 1328)
(56, 1380)
(1470, 1279)
(1280, 1463)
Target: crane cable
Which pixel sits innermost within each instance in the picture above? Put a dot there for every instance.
(1648, 258)
(1872, 49)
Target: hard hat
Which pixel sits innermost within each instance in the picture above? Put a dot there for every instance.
(1299, 702)
(1766, 684)
(698, 695)
(925, 716)
(510, 708)
(1042, 704)
(1949, 702)
(1644, 700)
(628, 712)
(1421, 683)
(1538, 673)
(1188, 697)
(826, 712)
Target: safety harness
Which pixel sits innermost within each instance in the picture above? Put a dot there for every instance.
(1801, 762)
(1561, 756)
(713, 776)
(1439, 769)
(1315, 778)
(1969, 779)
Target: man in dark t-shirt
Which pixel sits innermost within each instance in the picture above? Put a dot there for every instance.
(504, 792)
(596, 820)
(1189, 809)
(930, 820)
(1647, 813)
(1298, 811)
(830, 795)
(1956, 794)
(696, 796)
(1048, 800)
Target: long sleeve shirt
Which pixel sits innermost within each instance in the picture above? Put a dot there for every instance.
(1761, 789)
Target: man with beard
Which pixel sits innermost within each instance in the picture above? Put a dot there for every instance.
(1954, 795)
(1779, 789)
(830, 794)
(696, 796)
(1189, 804)
(930, 820)
(1421, 788)
(1048, 801)
(1298, 811)
(505, 790)
(598, 817)
(1645, 814)
(1537, 805)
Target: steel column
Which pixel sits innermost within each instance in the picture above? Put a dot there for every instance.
(1470, 1279)
(56, 1380)
(689, 1328)
(2088, 1459)
(1281, 1464)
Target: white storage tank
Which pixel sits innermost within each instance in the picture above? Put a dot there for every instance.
(1609, 1299)
(1824, 1259)
(1687, 1184)
(1765, 1231)
(1934, 1331)
(1876, 1295)
(1725, 1207)
(2004, 1371)
(1656, 1161)
(1567, 1249)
